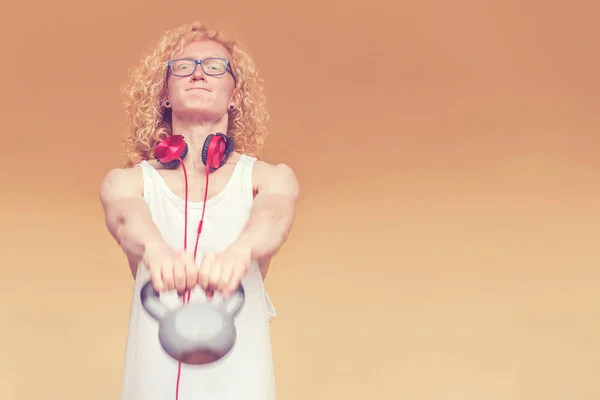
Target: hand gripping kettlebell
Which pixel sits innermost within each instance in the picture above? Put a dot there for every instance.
(196, 333)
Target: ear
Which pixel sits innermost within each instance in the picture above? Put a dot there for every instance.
(164, 97)
(236, 98)
(164, 101)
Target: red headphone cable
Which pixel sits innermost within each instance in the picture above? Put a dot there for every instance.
(186, 296)
(174, 148)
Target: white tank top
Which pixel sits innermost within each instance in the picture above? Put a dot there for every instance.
(247, 371)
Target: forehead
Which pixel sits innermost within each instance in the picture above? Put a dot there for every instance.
(204, 48)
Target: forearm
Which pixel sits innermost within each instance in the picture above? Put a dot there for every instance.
(130, 223)
(268, 226)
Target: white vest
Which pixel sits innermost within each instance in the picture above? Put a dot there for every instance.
(247, 371)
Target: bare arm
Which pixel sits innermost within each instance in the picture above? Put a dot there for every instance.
(272, 213)
(127, 216)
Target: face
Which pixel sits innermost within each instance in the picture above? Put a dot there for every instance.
(201, 95)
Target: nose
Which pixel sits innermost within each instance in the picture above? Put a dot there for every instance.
(199, 73)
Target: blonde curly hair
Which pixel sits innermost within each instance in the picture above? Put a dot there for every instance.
(145, 87)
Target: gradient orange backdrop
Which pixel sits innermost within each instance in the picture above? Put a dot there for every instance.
(444, 242)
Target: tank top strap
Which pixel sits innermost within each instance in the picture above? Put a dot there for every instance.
(149, 174)
(244, 174)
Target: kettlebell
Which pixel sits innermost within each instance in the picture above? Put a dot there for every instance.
(195, 333)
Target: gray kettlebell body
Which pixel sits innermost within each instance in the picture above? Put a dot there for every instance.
(195, 333)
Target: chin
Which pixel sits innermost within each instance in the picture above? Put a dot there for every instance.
(197, 112)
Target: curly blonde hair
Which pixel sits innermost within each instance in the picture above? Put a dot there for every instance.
(146, 86)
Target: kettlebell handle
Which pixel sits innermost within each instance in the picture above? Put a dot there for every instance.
(237, 298)
(151, 301)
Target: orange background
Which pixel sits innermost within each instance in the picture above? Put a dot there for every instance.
(444, 242)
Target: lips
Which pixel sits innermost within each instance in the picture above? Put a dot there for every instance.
(197, 88)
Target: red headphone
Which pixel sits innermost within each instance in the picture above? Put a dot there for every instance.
(216, 150)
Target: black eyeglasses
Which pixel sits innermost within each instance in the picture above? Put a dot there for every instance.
(183, 67)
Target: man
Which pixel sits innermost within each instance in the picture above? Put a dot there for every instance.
(197, 84)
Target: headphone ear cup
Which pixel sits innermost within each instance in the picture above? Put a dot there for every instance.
(175, 163)
(205, 148)
(216, 150)
(229, 147)
(170, 151)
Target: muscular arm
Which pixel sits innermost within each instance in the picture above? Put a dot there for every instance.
(272, 214)
(127, 215)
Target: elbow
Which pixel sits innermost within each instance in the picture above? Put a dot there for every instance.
(114, 224)
(278, 238)
(284, 234)
(282, 229)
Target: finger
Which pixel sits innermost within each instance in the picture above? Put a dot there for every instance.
(179, 275)
(167, 275)
(191, 272)
(204, 270)
(236, 278)
(209, 294)
(215, 275)
(225, 279)
(156, 277)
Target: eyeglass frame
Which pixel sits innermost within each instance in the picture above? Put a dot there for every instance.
(200, 62)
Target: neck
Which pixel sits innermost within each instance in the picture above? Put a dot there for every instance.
(195, 134)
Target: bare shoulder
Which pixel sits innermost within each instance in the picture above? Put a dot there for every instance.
(121, 182)
(275, 178)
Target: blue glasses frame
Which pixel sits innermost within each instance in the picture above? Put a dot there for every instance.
(201, 63)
